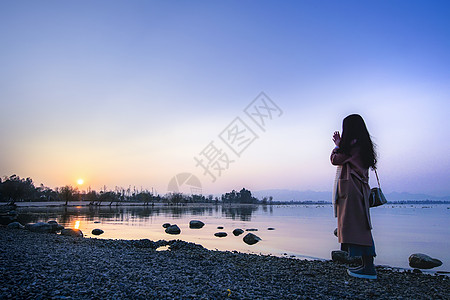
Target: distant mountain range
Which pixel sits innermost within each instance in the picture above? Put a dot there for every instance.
(290, 195)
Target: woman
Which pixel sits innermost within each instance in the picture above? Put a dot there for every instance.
(354, 155)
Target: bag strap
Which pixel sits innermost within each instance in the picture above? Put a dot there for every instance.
(378, 180)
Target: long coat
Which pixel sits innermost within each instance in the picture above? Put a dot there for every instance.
(352, 201)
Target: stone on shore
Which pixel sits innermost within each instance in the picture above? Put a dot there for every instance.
(238, 231)
(423, 261)
(251, 239)
(196, 224)
(72, 232)
(251, 229)
(173, 229)
(342, 257)
(97, 231)
(219, 227)
(41, 227)
(220, 234)
(166, 225)
(15, 225)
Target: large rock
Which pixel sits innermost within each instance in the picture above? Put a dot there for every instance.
(423, 261)
(220, 234)
(15, 225)
(40, 227)
(173, 229)
(251, 239)
(238, 231)
(196, 224)
(97, 231)
(342, 257)
(55, 226)
(72, 232)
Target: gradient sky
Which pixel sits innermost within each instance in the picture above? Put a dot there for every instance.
(126, 93)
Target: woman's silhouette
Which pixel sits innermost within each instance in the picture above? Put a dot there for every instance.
(354, 155)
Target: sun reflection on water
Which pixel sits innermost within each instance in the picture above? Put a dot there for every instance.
(77, 225)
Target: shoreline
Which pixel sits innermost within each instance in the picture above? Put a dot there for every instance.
(161, 214)
(39, 265)
(160, 204)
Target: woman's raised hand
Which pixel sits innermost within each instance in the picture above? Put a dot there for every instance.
(336, 138)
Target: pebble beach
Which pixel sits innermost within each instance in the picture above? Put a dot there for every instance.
(50, 266)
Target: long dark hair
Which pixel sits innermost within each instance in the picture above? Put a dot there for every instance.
(355, 133)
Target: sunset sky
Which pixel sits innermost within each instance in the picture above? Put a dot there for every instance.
(122, 93)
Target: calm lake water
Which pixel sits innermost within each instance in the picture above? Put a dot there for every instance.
(303, 231)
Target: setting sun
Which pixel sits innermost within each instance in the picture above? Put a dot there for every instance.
(80, 181)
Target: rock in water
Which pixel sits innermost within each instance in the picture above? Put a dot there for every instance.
(251, 229)
(251, 239)
(335, 232)
(423, 261)
(342, 257)
(55, 226)
(166, 225)
(270, 228)
(40, 227)
(72, 232)
(220, 234)
(238, 231)
(196, 224)
(15, 225)
(97, 231)
(173, 229)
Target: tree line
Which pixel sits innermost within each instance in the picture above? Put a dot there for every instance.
(16, 189)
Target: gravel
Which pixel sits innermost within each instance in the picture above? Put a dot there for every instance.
(50, 266)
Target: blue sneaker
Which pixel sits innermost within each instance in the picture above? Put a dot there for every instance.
(355, 268)
(363, 273)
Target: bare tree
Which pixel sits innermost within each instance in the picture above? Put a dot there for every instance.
(66, 193)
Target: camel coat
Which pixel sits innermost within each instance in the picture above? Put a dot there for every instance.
(352, 201)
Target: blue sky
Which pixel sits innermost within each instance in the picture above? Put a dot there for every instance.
(126, 93)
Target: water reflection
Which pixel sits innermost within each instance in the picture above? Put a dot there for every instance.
(68, 215)
(242, 212)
